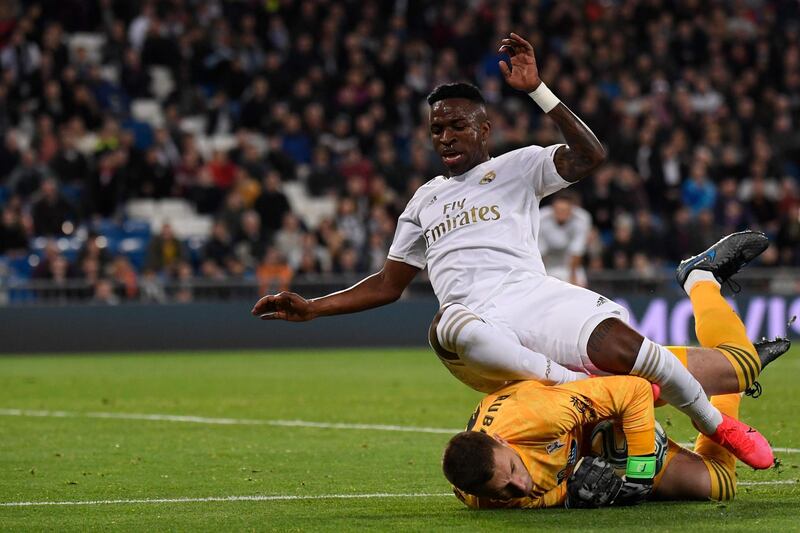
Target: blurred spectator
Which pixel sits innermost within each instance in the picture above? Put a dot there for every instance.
(219, 257)
(290, 236)
(104, 293)
(52, 213)
(272, 205)
(69, 165)
(323, 177)
(347, 263)
(106, 184)
(222, 169)
(135, 78)
(273, 273)
(220, 118)
(349, 223)
(155, 177)
(251, 242)
(28, 175)
(763, 209)
(256, 106)
(788, 240)
(698, 192)
(95, 248)
(124, 276)
(184, 286)
(9, 155)
(165, 252)
(13, 237)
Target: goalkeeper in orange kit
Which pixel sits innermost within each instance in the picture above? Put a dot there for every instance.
(526, 444)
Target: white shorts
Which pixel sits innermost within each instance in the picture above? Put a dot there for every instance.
(552, 317)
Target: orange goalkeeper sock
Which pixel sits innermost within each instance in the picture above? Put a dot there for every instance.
(721, 464)
(718, 326)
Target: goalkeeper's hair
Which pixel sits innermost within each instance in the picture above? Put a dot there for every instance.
(468, 461)
(456, 90)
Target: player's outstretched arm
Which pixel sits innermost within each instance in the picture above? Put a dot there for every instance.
(583, 152)
(376, 290)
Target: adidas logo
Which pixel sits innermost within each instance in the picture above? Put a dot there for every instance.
(432, 200)
(601, 301)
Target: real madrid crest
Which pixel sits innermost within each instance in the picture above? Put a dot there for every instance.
(488, 178)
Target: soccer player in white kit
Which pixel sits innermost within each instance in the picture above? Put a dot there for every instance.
(563, 235)
(475, 230)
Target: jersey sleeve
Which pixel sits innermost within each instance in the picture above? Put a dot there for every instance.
(628, 399)
(538, 165)
(547, 412)
(408, 245)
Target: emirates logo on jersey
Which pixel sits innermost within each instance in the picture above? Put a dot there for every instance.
(488, 178)
(460, 219)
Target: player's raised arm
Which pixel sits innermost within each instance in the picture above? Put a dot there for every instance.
(583, 152)
(376, 290)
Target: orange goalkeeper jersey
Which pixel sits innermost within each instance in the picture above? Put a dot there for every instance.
(545, 426)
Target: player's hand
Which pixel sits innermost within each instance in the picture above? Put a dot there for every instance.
(283, 306)
(523, 74)
(633, 492)
(593, 484)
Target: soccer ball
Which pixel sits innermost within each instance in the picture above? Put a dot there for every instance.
(608, 442)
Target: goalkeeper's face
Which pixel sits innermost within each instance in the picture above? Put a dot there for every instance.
(511, 479)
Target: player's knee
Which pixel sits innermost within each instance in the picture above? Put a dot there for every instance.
(745, 363)
(614, 346)
(448, 327)
(433, 338)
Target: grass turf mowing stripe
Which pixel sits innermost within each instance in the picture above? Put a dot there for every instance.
(289, 497)
(255, 422)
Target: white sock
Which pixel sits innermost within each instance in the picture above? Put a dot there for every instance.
(678, 387)
(696, 276)
(492, 353)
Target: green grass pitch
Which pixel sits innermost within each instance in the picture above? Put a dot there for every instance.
(66, 456)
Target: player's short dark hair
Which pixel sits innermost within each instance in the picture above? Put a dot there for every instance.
(468, 461)
(456, 90)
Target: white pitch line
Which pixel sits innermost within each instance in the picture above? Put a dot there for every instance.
(256, 422)
(223, 421)
(254, 498)
(287, 497)
(775, 482)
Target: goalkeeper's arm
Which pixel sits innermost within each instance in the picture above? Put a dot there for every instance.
(630, 400)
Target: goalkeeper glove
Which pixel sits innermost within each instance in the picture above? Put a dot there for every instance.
(594, 483)
(638, 480)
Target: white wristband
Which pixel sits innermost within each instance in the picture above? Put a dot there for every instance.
(544, 97)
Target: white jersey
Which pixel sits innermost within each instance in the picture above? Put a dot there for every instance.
(477, 232)
(558, 243)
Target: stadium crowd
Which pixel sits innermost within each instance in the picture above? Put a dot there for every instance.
(697, 102)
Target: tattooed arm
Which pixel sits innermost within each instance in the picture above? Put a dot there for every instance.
(583, 152)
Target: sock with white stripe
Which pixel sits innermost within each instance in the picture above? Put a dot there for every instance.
(678, 387)
(492, 353)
